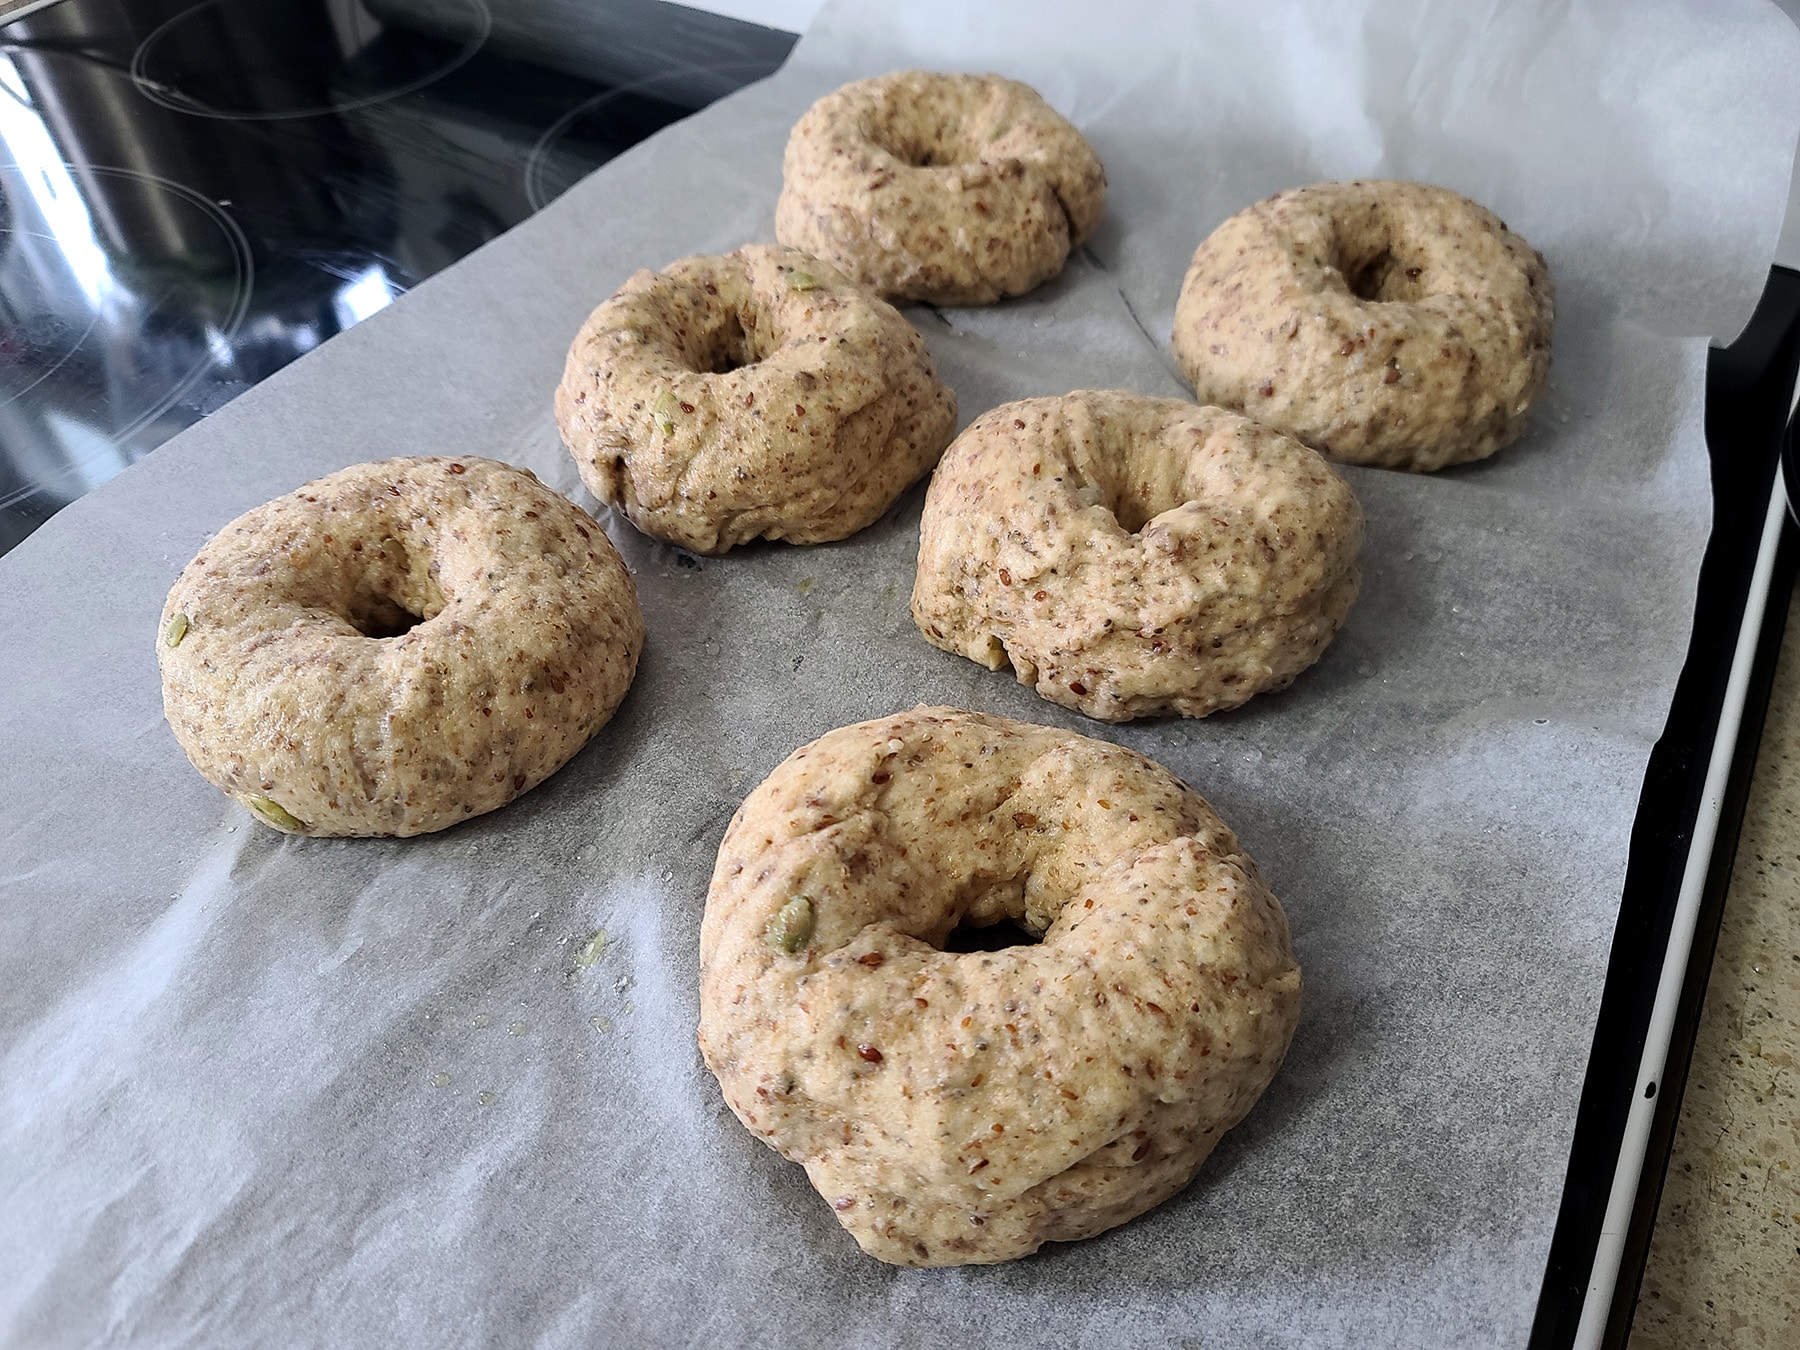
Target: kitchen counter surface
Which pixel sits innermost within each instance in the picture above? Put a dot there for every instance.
(1724, 1265)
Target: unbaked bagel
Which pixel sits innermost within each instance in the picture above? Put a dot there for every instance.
(1384, 323)
(761, 394)
(959, 1108)
(955, 189)
(1130, 556)
(396, 647)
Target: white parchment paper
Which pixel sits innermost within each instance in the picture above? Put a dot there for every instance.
(266, 1090)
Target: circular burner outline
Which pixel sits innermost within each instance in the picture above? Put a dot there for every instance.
(169, 97)
(534, 162)
(244, 269)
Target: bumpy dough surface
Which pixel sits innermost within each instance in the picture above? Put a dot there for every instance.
(1384, 323)
(956, 189)
(761, 394)
(1132, 556)
(966, 1108)
(281, 686)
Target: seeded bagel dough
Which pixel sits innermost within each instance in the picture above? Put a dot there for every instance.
(955, 189)
(397, 647)
(761, 394)
(964, 1108)
(1132, 556)
(1384, 323)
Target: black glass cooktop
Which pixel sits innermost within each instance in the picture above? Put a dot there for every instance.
(192, 195)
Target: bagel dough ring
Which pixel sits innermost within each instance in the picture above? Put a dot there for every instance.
(514, 634)
(1384, 323)
(954, 189)
(961, 1109)
(1132, 556)
(761, 394)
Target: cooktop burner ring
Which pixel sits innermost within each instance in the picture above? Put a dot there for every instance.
(171, 96)
(243, 279)
(535, 193)
(219, 327)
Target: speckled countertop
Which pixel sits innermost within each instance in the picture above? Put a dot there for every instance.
(1724, 1265)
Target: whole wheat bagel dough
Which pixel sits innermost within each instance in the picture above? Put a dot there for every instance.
(761, 394)
(955, 189)
(1131, 556)
(964, 1108)
(396, 647)
(1381, 322)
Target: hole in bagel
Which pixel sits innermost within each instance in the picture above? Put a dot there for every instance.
(726, 346)
(928, 158)
(724, 342)
(390, 606)
(1133, 503)
(921, 152)
(1381, 278)
(1132, 511)
(386, 619)
(990, 937)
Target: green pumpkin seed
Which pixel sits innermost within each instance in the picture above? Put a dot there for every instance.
(177, 629)
(275, 814)
(792, 925)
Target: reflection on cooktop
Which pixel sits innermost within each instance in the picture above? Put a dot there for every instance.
(192, 195)
(247, 60)
(96, 348)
